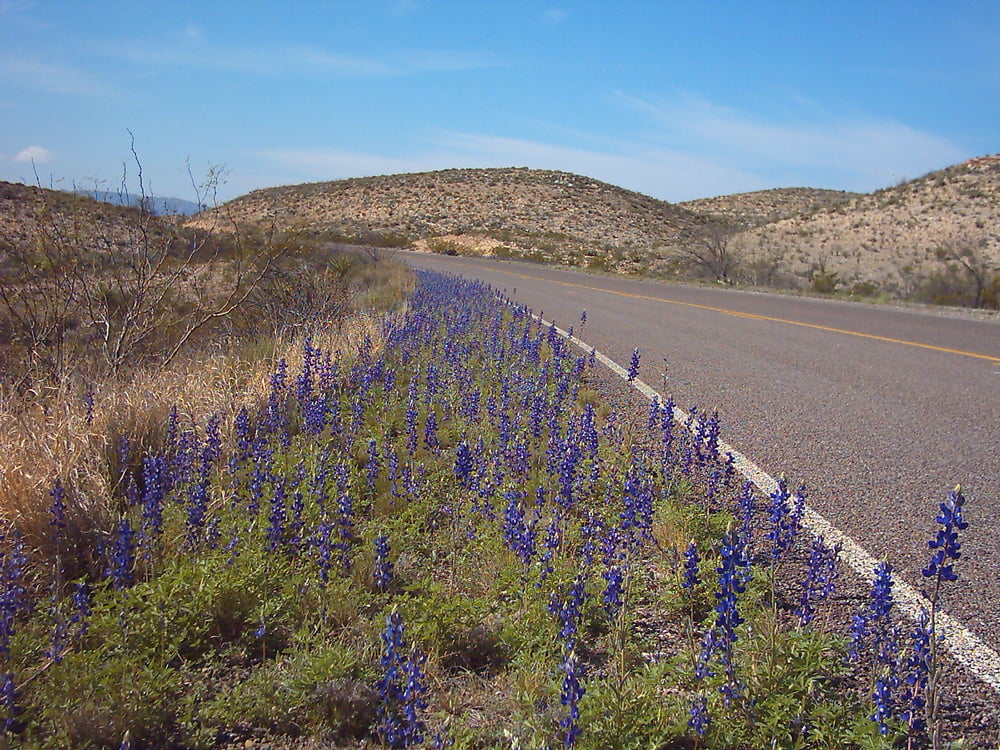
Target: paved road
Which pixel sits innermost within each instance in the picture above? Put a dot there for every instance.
(880, 411)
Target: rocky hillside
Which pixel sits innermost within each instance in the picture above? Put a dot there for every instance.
(748, 210)
(27, 214)
(522, 212)
(911, 241)
(893, 239)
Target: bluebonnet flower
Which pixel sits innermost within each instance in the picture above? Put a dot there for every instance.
(553, 539)
(9, 698)
(653, 420)
(430, 431)
(615, 579)
(413, 703)
(917, 671)
(691, 580)
(946, 545)
(785, 516)
(583, 318)
(242, 431)
(81, 607)
(633, 367)
(700, 718)
(382, 573)
(122, 560)
(374, 465)
(345, 530)
(324, 550)
(883, 702)
(732, 583)
(463, 463)
(746, 506)
(569, 611)
(400, 689)
(156, 484)
(277, 517)
(519, 535)
(820, 580)
(58, 508)
(572, 692)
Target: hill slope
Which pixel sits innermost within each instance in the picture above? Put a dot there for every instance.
(892, 238)
(485, 211)
(890, 241)
(747, 210)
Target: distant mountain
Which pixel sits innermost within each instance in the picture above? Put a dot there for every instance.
(157, 205)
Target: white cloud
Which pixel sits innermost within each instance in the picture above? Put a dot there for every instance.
(193, 50)
(36, 154)
(687, 149)
(51, 77)
(864, 152)
(657, 172)
(555, 15)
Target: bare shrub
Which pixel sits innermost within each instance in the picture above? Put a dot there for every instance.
(711, 254)
(967, 260)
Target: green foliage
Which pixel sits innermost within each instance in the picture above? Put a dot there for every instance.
(235, 628)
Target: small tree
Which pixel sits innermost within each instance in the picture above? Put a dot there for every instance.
(710, 254)
(970, 254)
(82, 284)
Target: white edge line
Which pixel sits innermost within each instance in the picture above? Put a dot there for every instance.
(963, 644)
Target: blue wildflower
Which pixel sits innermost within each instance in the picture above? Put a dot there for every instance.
(382, 573)
(633, 368)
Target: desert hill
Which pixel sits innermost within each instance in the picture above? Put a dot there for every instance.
(893, 239)
(27, 211)
(548, 214)
(747, 210)
(903, 241)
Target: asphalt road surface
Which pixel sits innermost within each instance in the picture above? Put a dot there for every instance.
(879, 411)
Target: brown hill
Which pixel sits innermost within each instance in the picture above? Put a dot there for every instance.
(507, 211)
(27, 211)
(932, 239)
(747, 210)
(898, 239)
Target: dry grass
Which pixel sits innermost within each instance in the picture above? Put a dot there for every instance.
(52, 435)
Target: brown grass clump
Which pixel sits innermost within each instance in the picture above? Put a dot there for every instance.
(74, 432)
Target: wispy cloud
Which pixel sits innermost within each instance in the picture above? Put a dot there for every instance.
(53, 78)
(678, 150)
(555, 15)
(658, 172)
(193, 49)
(14, 6)
(36, 154)
(403, 8)
(865, 152)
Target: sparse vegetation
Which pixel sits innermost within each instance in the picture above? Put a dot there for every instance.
(344, 510)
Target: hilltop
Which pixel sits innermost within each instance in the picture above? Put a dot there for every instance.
(894, 238)
(546, 214)
(748, 210)
(917, 240)
(26, 211)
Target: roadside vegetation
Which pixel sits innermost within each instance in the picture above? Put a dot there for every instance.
(423, 528)
(257, 492)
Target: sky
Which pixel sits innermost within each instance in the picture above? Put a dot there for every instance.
(677, 100)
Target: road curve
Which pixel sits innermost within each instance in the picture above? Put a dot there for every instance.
(880, 411)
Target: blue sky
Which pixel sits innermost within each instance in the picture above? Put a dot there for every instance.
(678, 100)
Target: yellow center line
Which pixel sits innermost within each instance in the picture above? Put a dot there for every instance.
(754, 316)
